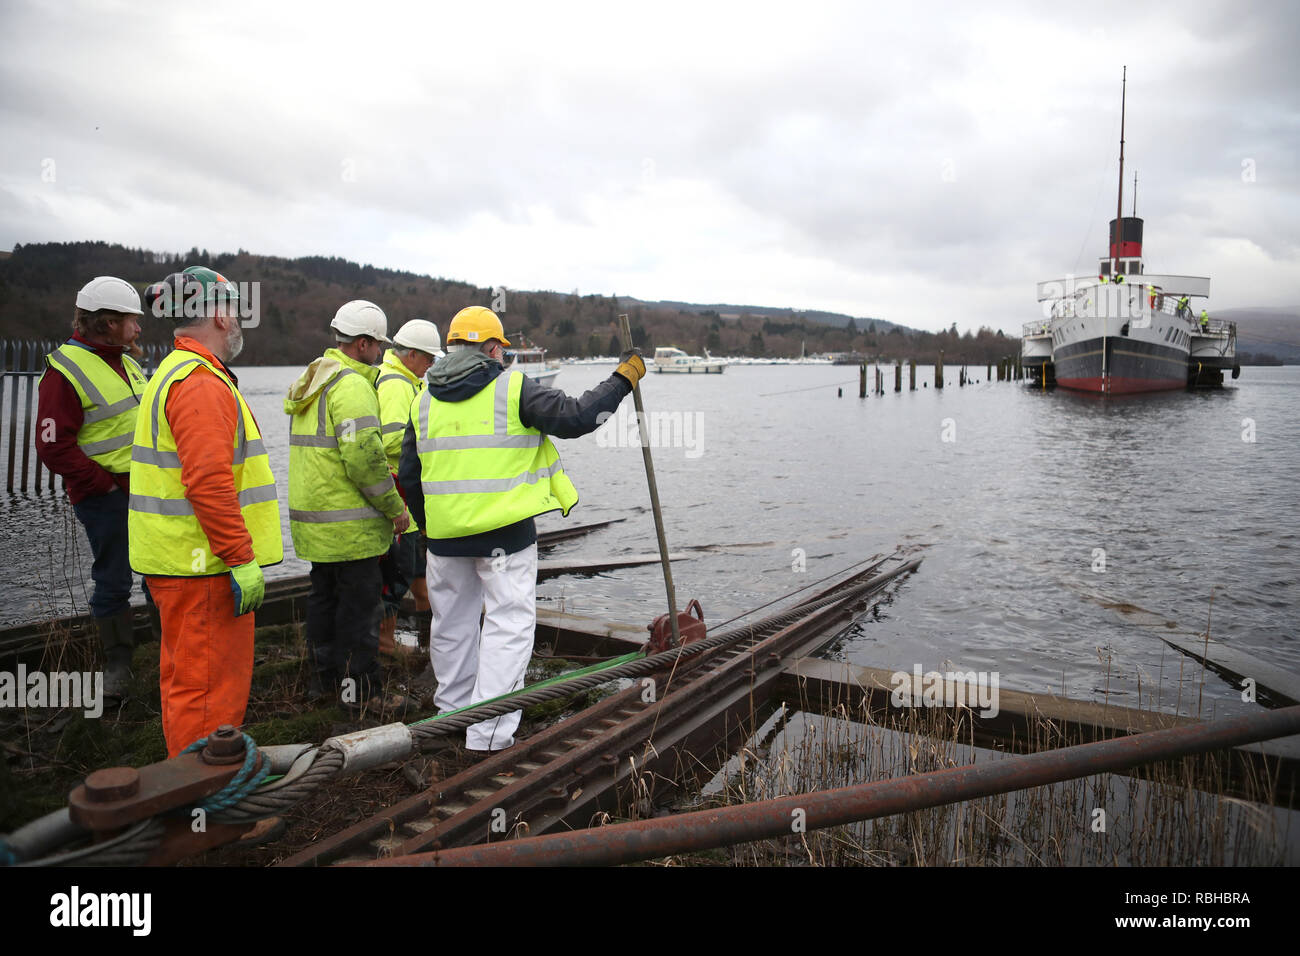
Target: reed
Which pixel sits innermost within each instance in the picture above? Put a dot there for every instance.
(1178, 813)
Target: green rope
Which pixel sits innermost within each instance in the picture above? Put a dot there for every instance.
(559, 678)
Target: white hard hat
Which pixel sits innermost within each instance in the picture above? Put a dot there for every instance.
(419, 334)
(106, 292)
(360, 317)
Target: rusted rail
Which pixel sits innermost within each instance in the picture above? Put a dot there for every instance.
(727, 826)
(571, 771)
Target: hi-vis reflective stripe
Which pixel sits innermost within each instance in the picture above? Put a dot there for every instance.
(314, 441)
(244, 449)
(157, 398)
(478, 441)
(500, 424)
(102, 409)
(322, 438)
(472, 486)
(170, 459)
(378, 488)
(392, 427)
(108, 444)
(107, 411)
(391, 376)
(181, 506)
(323, 517)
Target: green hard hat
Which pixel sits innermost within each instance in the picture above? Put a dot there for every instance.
(181, 292)
(216, 287)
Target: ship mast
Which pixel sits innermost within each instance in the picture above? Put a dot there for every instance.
(1119, 224)
(1119, 203)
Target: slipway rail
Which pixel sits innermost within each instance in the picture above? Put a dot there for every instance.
(686, 699)
(641, 740)
(727, 826)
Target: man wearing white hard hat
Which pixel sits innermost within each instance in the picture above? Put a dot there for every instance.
(416, 346)
(344, 506)
(87, 412)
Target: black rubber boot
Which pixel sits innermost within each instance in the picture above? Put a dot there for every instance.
(117, 640)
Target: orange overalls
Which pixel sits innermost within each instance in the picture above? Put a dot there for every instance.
(206, 666)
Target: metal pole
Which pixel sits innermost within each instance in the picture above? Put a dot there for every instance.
(626, 329)
(707, 829)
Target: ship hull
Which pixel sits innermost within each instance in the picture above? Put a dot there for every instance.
(1131, 366)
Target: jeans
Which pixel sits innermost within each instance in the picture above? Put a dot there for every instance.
(104, 518)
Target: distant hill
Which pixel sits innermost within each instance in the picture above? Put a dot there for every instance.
(1266, 331)
(727, 312)
(298, 297)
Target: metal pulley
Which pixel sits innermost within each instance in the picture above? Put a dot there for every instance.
(690, 626)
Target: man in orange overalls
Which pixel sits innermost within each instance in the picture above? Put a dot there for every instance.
(204, 513)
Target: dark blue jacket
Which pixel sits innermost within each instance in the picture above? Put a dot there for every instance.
(549, 410)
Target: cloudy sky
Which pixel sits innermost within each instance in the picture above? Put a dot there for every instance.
(920, 162)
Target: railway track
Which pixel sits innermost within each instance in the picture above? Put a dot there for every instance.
(660, 732)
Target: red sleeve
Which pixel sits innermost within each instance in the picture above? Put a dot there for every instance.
(202, 414)
(59, 418)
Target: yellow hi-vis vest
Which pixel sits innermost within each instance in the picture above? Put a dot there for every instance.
(109, 405)
(397, 386)
(480, 468)
(165, 534)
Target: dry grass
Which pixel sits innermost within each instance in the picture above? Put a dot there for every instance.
(1177, 814)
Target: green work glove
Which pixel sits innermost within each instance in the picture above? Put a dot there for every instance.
(249, 587)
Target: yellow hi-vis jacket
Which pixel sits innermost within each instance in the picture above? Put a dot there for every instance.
(397, 386)
(342, 497)
(165, 534)
(109, 405)
(480, 468)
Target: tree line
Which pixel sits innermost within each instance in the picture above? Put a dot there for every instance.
(298, 297)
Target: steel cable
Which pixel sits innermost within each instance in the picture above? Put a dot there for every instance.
(134, 846)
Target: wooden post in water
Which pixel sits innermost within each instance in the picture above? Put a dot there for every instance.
(862, 380)
(938, 370)
(988, 372)
(911, 375)
(898, 375)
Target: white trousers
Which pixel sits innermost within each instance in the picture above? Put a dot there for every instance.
(473, 666)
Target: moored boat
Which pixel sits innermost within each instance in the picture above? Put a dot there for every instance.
(668, 359)
(1126, 330)
(532, 361)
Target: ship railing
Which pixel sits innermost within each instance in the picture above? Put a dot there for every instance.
(1217, 327)
(1041, 327)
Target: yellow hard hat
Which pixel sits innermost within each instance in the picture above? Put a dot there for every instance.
(476, 324)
